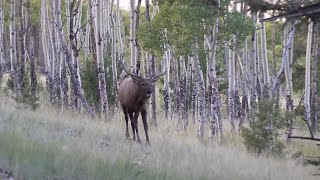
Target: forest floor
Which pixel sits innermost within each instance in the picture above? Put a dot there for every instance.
(50, 144)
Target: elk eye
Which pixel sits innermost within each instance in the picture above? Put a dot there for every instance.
(149, 91)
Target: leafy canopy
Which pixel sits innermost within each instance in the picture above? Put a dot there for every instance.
(178, 24)
(182, 23)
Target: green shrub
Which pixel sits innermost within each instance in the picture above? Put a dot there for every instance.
(90, 82)
(28, 99)
(262, 135)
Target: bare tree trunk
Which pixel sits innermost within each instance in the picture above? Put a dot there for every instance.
(44, 34)
(176, 88)
(153, 96)
(276, 82)
(232, 85)
(100, 59)
(22, 68)
(308, 70)
(75, 29)
(254, 71)
(30, 50)
(166, 95)
(264, 59)
(274, 67)
(213, 91)
(188, 88)
(137, 46)
(132, 37)
(59, 56)
(151, 67)
(87, 39)
(183, 93)
(2, 62)
(245, 71)
(289, 95)
(113, 54)
(73, 72)
(13, 50)
(314, 81)
(53, 54)
(201, 97)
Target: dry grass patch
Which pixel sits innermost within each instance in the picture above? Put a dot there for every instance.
(48, 144)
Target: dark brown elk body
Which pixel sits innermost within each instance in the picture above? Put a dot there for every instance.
(133, 95)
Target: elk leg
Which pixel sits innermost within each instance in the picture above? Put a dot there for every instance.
(125, 112)
(132, 125)
(127, 129)
(145, 124)
(136, 116)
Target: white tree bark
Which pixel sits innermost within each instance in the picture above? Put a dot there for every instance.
(232, 85)
(195, 91)
(132, 36)
(183, 93)
(87, 35)
(100, 59)
(73, 72)
(44, 34)
(202, 95)
(13, 50)
(308, 70)
(2, 62)
(113, 30)
(167, 89)
(276, 82)
(254, 71)
(120, 41)
(52, 52)
(264, 59)
(314, 88)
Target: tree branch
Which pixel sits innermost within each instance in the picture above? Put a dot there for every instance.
(306, 138)
(6, 72)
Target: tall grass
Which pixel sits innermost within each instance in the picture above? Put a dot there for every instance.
(48, 144)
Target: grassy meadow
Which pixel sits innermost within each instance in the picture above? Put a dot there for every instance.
(50, 144)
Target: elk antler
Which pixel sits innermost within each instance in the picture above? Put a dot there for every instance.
(131, 74)
(155, 78)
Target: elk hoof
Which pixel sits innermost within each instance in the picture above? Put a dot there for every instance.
(139, 141)
(127, 135)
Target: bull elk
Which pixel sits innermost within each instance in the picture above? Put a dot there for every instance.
(134, 91)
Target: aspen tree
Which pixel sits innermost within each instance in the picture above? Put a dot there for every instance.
(132, 37)
(308, 73)
(73, 72)
(264, 59)
(167, 89)
(289, 93)
(113, 52)
(13, 50)
(314, 81)
(150, 61)
(22, 48)
(253, 68)
(276, 82)
(44, 35)
(232, 84)
(100, 59)
(2, 62)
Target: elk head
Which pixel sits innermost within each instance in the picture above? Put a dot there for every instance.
(145, 84)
